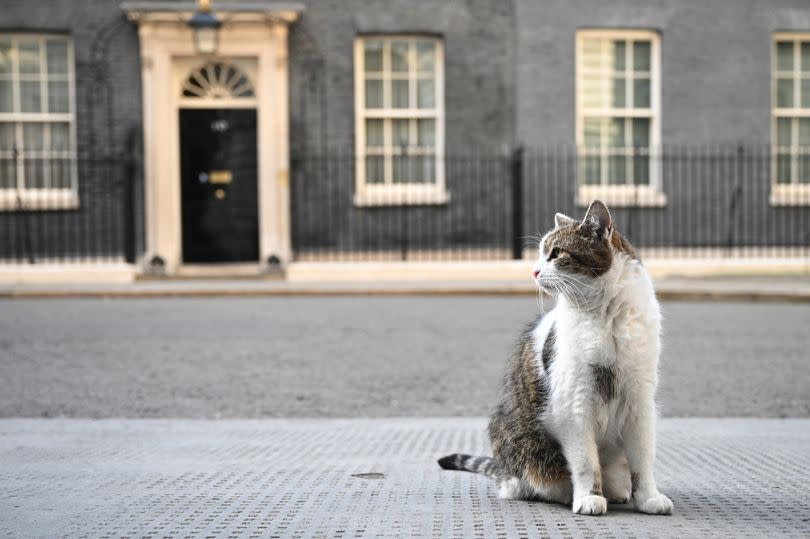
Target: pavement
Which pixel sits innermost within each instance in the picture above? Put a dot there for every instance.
(793, 288)
(728, 478)
(172, 379)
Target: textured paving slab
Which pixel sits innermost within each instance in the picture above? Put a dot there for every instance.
(296, 478)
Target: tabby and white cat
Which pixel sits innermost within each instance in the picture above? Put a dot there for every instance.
(576, 423)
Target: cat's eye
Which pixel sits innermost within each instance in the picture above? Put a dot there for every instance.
(553, 254)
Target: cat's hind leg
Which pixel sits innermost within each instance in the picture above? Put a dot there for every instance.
(616, 482)
(556, 491)
(516, 488)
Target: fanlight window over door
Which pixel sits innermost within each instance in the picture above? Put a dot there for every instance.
(218, 80)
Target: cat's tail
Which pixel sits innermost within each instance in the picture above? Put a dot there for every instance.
(469, 463)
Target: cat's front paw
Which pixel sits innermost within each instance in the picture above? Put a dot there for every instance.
(590, 505)
(657, 504)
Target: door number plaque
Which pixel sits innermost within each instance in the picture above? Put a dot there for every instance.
(220, 176)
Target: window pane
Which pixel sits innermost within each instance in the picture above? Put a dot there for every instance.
(426, 132)
(374, 94)
(592, 130)
(619, 93)
(426, 56)
(60, 137)
(56, 52)
(29, 57)
(616, 133)
(401, 133)
(426, 94)
(33, 137)
(58, 99)
(641, 56)
(783, 168)
(374, 133)
(6, 96)
(784, 93)
(399, 56)
(424, 169)
(8, 173)
(641, 170)
(805, 47)
(617, 169)
(30, 97)
(592, 173)
(804, 133)
(804, 169)
(804, 154)
(641, 93)
(641, 132)
(619, 55)
(60, 172)
(784, 56)
(805, 91)
(5, 57)
(7, 142)
(34, 173)
(375, 169)
(399, 94)
(373, 50)
(783, 132)
(403, 169)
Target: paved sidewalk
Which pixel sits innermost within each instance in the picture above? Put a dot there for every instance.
(370, 478)
(793, 288)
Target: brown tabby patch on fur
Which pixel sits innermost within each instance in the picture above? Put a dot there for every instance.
(622, 245)
(522, 447)
(581, 251)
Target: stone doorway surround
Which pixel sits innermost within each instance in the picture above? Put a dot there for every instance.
(252, 33)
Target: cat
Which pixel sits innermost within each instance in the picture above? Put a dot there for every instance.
(576, 422)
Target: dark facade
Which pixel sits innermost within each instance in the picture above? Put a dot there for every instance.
(108, 131)
(509, 82)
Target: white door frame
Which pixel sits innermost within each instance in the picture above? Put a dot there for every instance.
(166, 48)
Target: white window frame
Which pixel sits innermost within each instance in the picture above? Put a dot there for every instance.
(622, 195)
(794, 193)
(388, 193)
(37, 198)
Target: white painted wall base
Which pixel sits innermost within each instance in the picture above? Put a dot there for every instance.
(357, 272)
(91, 273)
(520, 270)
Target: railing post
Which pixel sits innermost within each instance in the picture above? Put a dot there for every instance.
(517, 202)
(128, 202)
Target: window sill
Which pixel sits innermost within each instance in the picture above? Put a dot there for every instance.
(797, 194)
(621, 196)
(417, 195)
(38, 200)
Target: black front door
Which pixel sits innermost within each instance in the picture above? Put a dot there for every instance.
(219, 185)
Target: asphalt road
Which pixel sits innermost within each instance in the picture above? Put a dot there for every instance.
(359, 357)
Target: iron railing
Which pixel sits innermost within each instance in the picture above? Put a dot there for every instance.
(707, 201)
(703, 201)
(91, 221)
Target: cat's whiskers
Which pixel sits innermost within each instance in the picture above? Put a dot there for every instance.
(572, 278)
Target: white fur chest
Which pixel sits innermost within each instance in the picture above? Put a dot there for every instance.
(606, 356)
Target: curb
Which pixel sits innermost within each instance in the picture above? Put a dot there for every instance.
(787, 296)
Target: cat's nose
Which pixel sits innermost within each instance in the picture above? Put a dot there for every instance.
(536, 273)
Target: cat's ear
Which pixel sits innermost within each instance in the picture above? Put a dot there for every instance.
(561, 220)
(598, 219)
